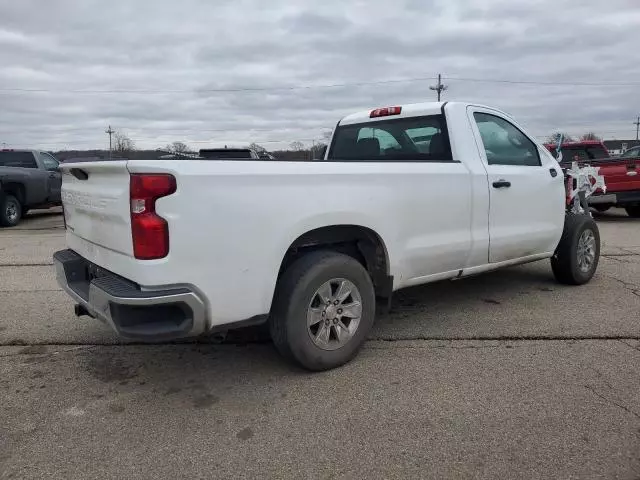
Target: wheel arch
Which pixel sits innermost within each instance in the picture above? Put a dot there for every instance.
(16, 189)
(362, 243)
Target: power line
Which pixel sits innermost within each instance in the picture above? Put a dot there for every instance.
(313, 87)
(216, 90)
(553, 84)
(176, 132)
(179, 130)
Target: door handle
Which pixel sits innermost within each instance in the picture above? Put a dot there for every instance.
(501, 184)
(553, 172)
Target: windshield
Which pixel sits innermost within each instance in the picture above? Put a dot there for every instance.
(405, 139)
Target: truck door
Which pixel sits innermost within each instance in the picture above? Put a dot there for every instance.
(526, 188)
(54, 182)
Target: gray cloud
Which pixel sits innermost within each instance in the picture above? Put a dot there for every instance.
(169, 56)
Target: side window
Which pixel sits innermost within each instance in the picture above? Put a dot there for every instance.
(50, 163)
(632, 152)
(504, 144)
(18, 159)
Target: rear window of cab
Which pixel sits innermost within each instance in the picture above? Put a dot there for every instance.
(403, 139)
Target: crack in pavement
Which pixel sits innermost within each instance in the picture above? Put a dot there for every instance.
(22, 264)
(631, 287)
(505, 338)
(634, 347)
(46, 354)
(32, 291)
(612, 402)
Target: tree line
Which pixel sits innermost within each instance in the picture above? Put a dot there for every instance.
(568, 138)
(124, 146)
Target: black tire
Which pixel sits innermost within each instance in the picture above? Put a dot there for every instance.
(601, 208)
(633, 212)
(295, 292)
(10, 211)
(565, 263)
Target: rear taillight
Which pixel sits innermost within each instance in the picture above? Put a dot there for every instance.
(150, 231)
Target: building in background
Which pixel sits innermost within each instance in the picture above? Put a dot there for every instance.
(618, 147)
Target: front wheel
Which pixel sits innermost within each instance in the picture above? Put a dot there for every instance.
(633, 212)
(10, 211)
(323, 309)
(576, 258)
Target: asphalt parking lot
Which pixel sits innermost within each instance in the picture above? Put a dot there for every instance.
(507, 374)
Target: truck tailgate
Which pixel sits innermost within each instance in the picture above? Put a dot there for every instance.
(620, 175)
(95, 196)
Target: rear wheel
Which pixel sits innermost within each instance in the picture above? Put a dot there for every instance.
(323, 309)
(576, 258)
(633, 212)
(10, 211)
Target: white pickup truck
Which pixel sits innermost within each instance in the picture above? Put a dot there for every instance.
(405, 195)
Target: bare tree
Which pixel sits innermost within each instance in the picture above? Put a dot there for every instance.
(257, 148)
(178, 147)
(297, 146)
(590, 136)
(555, 136)
(122, 144)
(317, 151)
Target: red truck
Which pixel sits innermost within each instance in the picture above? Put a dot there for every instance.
(621, 174)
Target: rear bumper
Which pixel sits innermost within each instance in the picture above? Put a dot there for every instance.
(618, 198)
(134, 313)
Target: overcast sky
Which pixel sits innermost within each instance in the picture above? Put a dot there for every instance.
(158, 69)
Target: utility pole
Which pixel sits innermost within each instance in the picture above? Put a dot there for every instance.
(637, 124)
(440, 87)
(110, 131)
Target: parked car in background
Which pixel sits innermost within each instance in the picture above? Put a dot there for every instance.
(228, 154)
(621, 174)
(28, 179)
(405, 195)
(579, 151)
